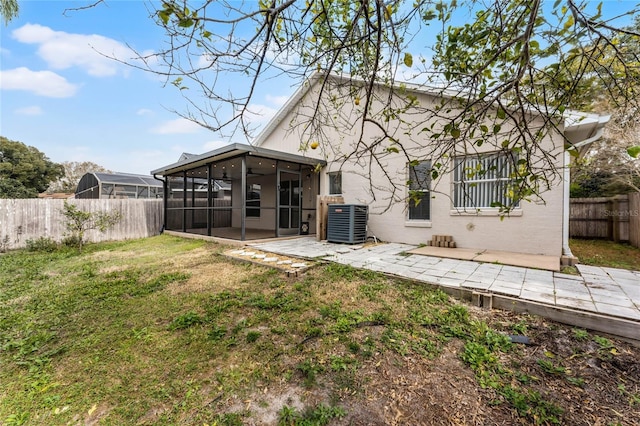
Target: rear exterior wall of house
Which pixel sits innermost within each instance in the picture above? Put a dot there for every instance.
(534, 227)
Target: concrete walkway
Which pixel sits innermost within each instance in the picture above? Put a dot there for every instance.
(602, 299)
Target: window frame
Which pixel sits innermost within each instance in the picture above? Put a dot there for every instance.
(254, 207)
(477, 193)
(331, 177)
(419, 185)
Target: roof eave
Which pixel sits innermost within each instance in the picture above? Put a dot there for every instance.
(582, 129)
(233, 150)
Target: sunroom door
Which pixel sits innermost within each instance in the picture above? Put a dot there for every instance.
(289, 196)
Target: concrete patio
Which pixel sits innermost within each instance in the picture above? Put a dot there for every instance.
(601, 299)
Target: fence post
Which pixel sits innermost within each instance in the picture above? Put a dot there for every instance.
(634, 219)
(614, 214)
(323, 214)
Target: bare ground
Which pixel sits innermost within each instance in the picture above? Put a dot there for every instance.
(599, 385)
(593, 380)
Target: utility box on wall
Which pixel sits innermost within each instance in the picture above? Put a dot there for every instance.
(347, 223)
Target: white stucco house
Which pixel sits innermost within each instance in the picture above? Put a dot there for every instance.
(277, 180)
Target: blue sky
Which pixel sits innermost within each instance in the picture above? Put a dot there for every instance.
(62, 97)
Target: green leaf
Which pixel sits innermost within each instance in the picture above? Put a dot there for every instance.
(408, 59)
(496, 129)
(455, 133)
(185, 23)
(164, 15)
(634, 151)
(501, 114)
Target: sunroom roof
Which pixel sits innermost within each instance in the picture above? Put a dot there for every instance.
(233, 150)
(127, 179)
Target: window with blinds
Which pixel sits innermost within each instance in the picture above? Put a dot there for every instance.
(481, 181)
(419, 182)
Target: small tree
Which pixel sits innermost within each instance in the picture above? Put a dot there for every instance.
(78, 222)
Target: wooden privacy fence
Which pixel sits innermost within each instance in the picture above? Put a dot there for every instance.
(322, 216)
(197, 212)
(614, 218)
(30, 219)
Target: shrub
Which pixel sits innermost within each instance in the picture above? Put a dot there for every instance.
(4, 244)
(43, 244)
(78, 222)
(185, 321)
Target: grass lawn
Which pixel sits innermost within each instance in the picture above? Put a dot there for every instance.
(168, 331)
(606, 253)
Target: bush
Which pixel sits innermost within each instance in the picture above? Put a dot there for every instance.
(43, 244)
(4, 244)
(78, 222)
(71, 241)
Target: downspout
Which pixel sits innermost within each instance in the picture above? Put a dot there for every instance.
(599, 130)
(566, 250)
(164, 202)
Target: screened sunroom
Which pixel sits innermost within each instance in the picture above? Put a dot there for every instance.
(241, 192)
(118, 185)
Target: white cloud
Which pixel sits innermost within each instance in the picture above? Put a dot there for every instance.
(62, 50)
(42, 83)
(144, 111)
(277, 100)
(205, 60)
(177, 126)
(30, 110)
(260, 114)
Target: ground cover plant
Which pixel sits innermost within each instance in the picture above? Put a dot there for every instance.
(169, 331)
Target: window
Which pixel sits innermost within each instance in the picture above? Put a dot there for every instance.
(253, 200)
(107, 191)
(419, 197)
(335, 183)
(483, 181)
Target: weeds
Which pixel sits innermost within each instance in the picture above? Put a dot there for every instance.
(550, 368)
(4, 243)
(309, 370)
(632, 397)
(580, 334)
(80, 330)
(42, 244)
(482, 354)
(317, 416)
(252, 336)
(185, 321)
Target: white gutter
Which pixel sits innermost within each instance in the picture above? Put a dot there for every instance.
(577, 123)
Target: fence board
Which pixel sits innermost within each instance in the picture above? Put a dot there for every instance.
(615, 218)
(634, 219)
(323, 214)
(22, 220)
